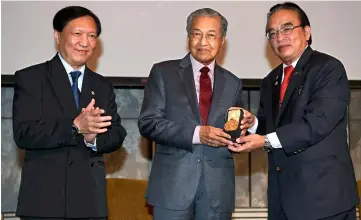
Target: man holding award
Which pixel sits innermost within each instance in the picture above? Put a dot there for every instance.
(184, 108)
(302, 124)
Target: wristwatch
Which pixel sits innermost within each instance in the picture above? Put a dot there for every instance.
(267, 145)
(75, 130)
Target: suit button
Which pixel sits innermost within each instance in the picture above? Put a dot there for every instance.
(70, 163)
(92, 164)
(278, 168)
(66, 142)
(199, 160)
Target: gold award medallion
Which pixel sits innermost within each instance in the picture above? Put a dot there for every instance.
(231, 125)
(232, 120)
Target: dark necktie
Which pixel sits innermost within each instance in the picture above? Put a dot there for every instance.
(74, 76)
(205, 94)
(287, 76)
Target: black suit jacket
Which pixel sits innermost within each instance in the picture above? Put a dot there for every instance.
(61, 177)
(169, 116)
(312, 176)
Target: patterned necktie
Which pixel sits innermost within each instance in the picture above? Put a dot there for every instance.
(287, 76)
(205, 93)
(74, 76)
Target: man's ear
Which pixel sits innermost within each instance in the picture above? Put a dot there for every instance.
(223, 40)
(307, 32)
(56, 36)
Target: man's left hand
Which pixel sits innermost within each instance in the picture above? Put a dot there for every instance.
(248, 143)
(90, 137)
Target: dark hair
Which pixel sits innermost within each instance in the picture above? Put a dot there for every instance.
(209, 13)
(67, 14)
(294, 7)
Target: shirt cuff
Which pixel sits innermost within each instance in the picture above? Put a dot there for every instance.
(92, 146)
(253, 129)
(273, 139)
(196, 138)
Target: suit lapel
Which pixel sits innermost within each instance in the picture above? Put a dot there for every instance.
(276, 86)
(87, 90)
(186, 77)
(60, 82)
(217, 94)
(296, 80)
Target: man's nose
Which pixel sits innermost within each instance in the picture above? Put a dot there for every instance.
(84, 41)
(279, 36)
(204, 40)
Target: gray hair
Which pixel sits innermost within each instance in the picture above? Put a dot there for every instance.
(208, 12)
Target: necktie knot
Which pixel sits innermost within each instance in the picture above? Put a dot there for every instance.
(75, 75)
(288, 71)
(204, 70)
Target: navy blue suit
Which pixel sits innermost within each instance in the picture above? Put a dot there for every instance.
(311, 176)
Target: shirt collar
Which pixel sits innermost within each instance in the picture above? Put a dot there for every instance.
(69, 68)
(197, 66)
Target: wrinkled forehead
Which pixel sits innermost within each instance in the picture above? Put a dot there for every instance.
(206, 23)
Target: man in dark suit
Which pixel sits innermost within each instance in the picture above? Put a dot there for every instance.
(65, 117)
(302, 124)
(183, 111)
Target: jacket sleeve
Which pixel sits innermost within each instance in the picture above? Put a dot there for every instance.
(113, 139)
(326, 108)
(152, 121)
(30, 130)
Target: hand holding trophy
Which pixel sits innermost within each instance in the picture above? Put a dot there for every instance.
(233, 120)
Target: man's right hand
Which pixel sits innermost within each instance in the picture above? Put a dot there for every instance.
(214, 137)
(90, 121)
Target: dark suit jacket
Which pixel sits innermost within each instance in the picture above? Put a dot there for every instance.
(312, 176)
(169, 116)
(61, 177)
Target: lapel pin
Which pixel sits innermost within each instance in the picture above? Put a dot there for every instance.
(276, 81)
(92, 92)
(300, 90)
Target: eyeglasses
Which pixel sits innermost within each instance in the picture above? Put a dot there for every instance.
(198, 36)
(285, 30)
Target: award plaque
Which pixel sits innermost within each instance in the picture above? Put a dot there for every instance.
(233, 122)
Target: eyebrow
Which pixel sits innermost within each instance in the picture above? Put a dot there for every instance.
(81, 29)
(285, 24)
(210, 31)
